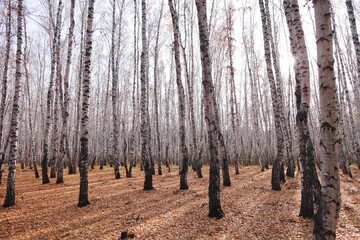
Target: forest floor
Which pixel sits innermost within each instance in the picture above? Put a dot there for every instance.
(253, 210)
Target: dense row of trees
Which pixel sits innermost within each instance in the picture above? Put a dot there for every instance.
(230, 85)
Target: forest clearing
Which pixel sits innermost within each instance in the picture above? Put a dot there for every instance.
(252, 210)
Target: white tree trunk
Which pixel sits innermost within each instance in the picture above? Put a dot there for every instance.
(10, 190)
(325, 220)
(209, 91)
(84, 128)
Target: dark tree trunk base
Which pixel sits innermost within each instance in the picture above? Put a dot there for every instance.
(60, 179)
(275, 175)
(83, 203)
(71, 169)
(216, 212)
(237, 167)
(117, 175)
(8, 204)
(148, 178)
(227, 183)
(36, 171)
(282, 175)
(184, 187)
(198, 172)
(290, 173)
(148, 188)
(46, 180)
(101, 164)
(52, 173)
(10, 190)
(307, 200)
(319, 232)
(45, 177)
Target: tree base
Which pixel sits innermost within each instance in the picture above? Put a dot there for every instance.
(148, 188)
(276, 188)
(58, 181)
(8, 204)
(9, 201)
(216, 213)
(46, 180)
(83, 203)
(184, 187)
(227, 183)
(290, 174)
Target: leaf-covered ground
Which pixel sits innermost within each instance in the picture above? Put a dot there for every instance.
(252, 210)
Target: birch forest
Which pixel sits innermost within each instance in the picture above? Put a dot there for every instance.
(180, 119)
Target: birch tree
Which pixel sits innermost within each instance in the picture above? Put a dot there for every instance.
(84, 128)
(309, 180)
(115, 98)
(145, 128)
(4, 83)
(156, 89)
(356, 42)
(181, 100)
(208, 92)
(64, 151)
(49, 103)
(325, 220)
(10, 190)
(275, 177)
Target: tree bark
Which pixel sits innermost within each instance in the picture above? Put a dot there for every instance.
(4, 82)
(309, 181)
(208, 91)
(145, 128)
(115, 99)
(181, 100)
(10, 190)
(325, 220)
(32, 141)
(58, 95)
(50, 95)
(156, 88)
(356, 42)
(275, 176)
(84, 128)
(64, 134)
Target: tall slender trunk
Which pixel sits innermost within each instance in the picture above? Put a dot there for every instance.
(32, 141)
(84, 129)
(132, 148)
(75, 157)
(208, 91)
(233, 102)
(64, 138)
(355, 37)
(4, 82)
(275, 176)
(181, 100)
(58, 98)
(156, 88)
(115, 98)
(145, 129)
(325, 220)
(344, 161)
(10, 190)
(50, 95)
(309, 180)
